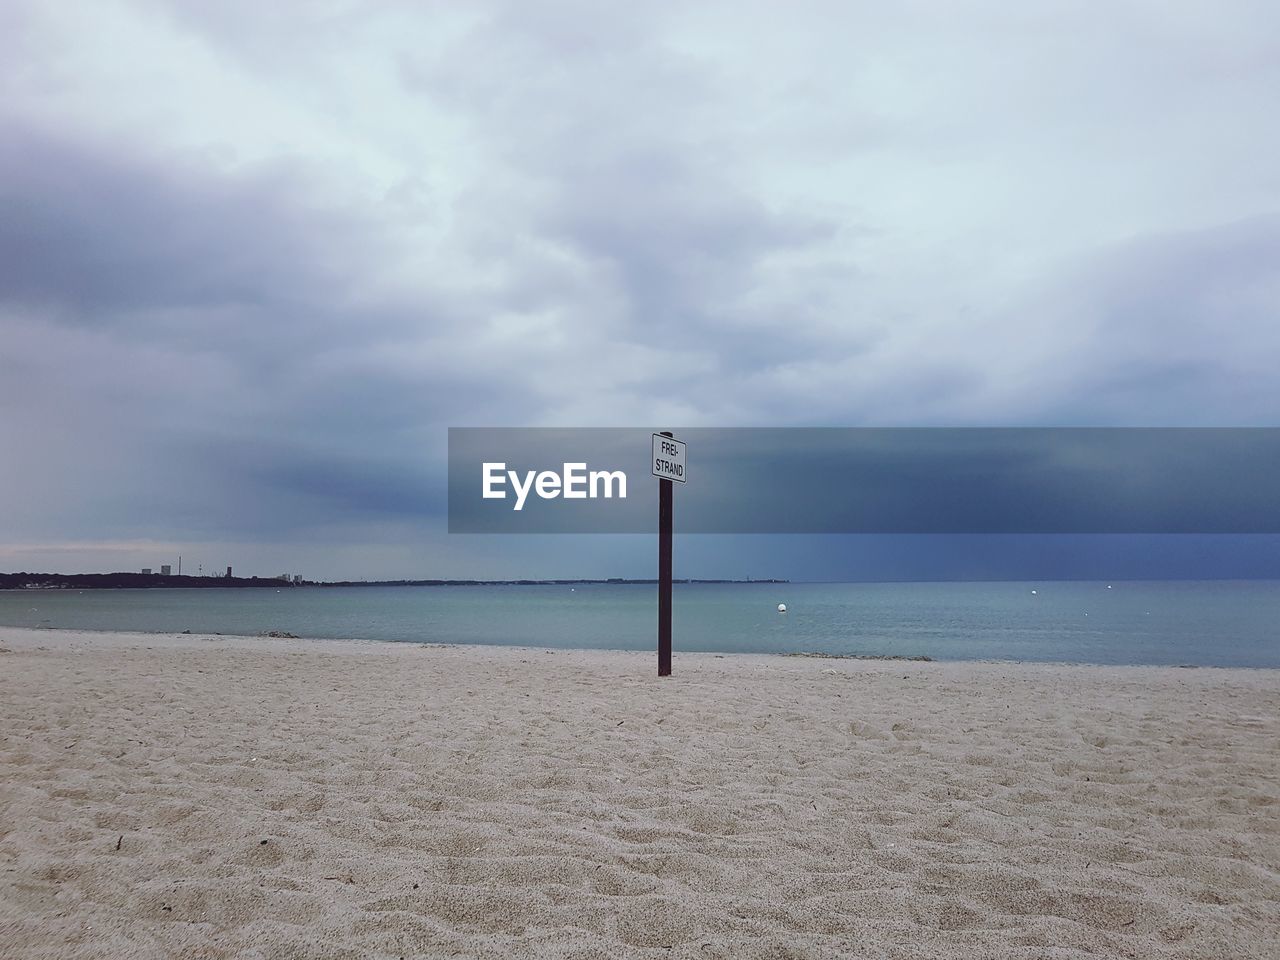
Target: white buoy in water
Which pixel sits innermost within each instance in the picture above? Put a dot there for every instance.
(782, 608)
(1033, 593)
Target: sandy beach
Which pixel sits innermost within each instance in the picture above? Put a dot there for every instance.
(196, 796)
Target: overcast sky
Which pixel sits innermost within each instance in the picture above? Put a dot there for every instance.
(255, 258)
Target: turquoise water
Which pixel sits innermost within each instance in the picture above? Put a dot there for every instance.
(1204, 623)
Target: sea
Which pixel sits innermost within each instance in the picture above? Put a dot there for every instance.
(1192, 623)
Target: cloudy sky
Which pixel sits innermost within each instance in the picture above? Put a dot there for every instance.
(255, 258)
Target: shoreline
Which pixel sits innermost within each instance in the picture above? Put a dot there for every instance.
(209, 636)
(256, 582)
(178, 795)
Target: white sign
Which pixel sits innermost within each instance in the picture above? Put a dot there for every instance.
(668, 458)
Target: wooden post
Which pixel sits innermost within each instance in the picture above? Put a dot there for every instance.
(664, 575)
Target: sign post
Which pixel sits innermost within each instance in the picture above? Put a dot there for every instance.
(667, 464)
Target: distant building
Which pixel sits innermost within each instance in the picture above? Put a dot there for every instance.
(146, 571)
(228, 573)
(165, 569)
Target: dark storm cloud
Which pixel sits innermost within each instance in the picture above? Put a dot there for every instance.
(212, 341)
(100, 235)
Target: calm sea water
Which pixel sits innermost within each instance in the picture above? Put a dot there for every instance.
(1203, 623)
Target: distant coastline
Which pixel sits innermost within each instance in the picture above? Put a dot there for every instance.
(140, 581)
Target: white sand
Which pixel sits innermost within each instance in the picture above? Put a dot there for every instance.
(188, 797)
